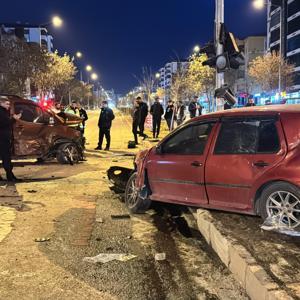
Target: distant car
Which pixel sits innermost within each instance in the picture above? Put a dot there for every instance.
(241, 160)
(42, 134)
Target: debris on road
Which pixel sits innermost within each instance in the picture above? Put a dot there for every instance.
(119, 176)
(107, 257)
(99, 220)
(41, 240)
(126, 216)
(274, 224)
(160, 256)
(32, 191)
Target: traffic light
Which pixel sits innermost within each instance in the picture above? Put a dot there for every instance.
(229, 58)
(225, 92)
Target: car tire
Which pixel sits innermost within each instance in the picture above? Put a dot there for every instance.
(68, 153)
(133, 201)
(281, 200)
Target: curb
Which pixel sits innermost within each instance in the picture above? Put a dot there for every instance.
(252, 277)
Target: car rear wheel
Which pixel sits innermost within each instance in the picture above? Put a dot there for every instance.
(133, 201)
(281, 200)
(68, 153)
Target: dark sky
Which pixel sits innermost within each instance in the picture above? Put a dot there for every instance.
(119, 37)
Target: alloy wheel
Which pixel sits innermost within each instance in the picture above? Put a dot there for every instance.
(132, 193)
(286, 207)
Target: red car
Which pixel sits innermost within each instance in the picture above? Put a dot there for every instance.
(241, 160)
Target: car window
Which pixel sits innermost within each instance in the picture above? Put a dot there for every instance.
(247, 137)
(189, 140)
(30, 113)
(268, 139)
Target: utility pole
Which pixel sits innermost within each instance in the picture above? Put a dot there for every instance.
(219, 18)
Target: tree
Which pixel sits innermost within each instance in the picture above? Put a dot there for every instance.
(147, 82)
(19, 61)
(265, 71)
(200, 79)
(60, 70)
(75, 90)
(178, 90)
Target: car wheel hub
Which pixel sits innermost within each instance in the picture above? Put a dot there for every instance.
(286, 207)
(132, 194)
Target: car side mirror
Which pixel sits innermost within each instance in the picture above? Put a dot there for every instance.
(51, 121)
(159, 150)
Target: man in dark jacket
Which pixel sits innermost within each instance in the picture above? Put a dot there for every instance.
(104, 124)
(83, 115)
(6, 138)
(193, 107)
(136, 120)
(156, 111)
(143, 116)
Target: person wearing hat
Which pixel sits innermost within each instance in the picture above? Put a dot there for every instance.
(156, 111)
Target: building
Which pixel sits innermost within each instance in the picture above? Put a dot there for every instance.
(252, 47)
(30, 33)
(167, 72)
(284, 32)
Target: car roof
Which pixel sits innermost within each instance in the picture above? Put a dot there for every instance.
(253, 110)
(10, 97)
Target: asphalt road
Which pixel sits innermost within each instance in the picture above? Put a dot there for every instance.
(71, 207)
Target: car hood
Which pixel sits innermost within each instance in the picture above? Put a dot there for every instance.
(69, 119)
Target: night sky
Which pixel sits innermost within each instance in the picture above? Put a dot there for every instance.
(119, 37)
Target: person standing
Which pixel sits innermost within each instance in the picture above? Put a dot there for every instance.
(180, 113)
(136, 121)
(83, 115)
(250, 102)
(193, 107)
(170, 114)
(156, 111)
(105, 121)
(6, 138)
(200, 108)
(143, 115)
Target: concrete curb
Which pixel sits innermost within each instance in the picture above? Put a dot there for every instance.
(252, 277)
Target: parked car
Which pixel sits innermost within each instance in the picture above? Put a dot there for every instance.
(241, 160)
(42, 134)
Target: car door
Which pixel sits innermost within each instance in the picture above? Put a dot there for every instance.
(29, 131)
(176, 171)
(241, 152)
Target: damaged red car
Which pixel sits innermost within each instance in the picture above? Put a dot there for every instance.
(241, 160)
(42, 134)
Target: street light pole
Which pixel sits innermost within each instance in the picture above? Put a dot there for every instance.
(219, 18)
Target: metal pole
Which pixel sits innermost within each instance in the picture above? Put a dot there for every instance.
(219, 18)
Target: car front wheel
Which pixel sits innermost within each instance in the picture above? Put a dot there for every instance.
(281, 201)
(68, 153)
(133, 201)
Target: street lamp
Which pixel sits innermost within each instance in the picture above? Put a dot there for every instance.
(57, 21)
(259, 4)
(196, 49)
(89, 68)
(78, 54)
(157, 75)
(94, 76)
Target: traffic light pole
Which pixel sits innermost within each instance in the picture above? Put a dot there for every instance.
(219, 18)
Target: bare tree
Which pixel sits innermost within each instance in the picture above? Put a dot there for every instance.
(147, 83)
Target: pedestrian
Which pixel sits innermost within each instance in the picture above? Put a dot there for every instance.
(73, 110)
(227, 106)
(6, 123)
(180, 113)
(170, 114)
(84, 116)
(250, 102)
(58, 110)
(105, 121)
(193, 107)
(156, 111)
(136, 120)
(200, 108)
(143, 115)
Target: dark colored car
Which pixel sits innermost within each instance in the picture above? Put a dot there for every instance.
(42, 134)
(241, 160)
